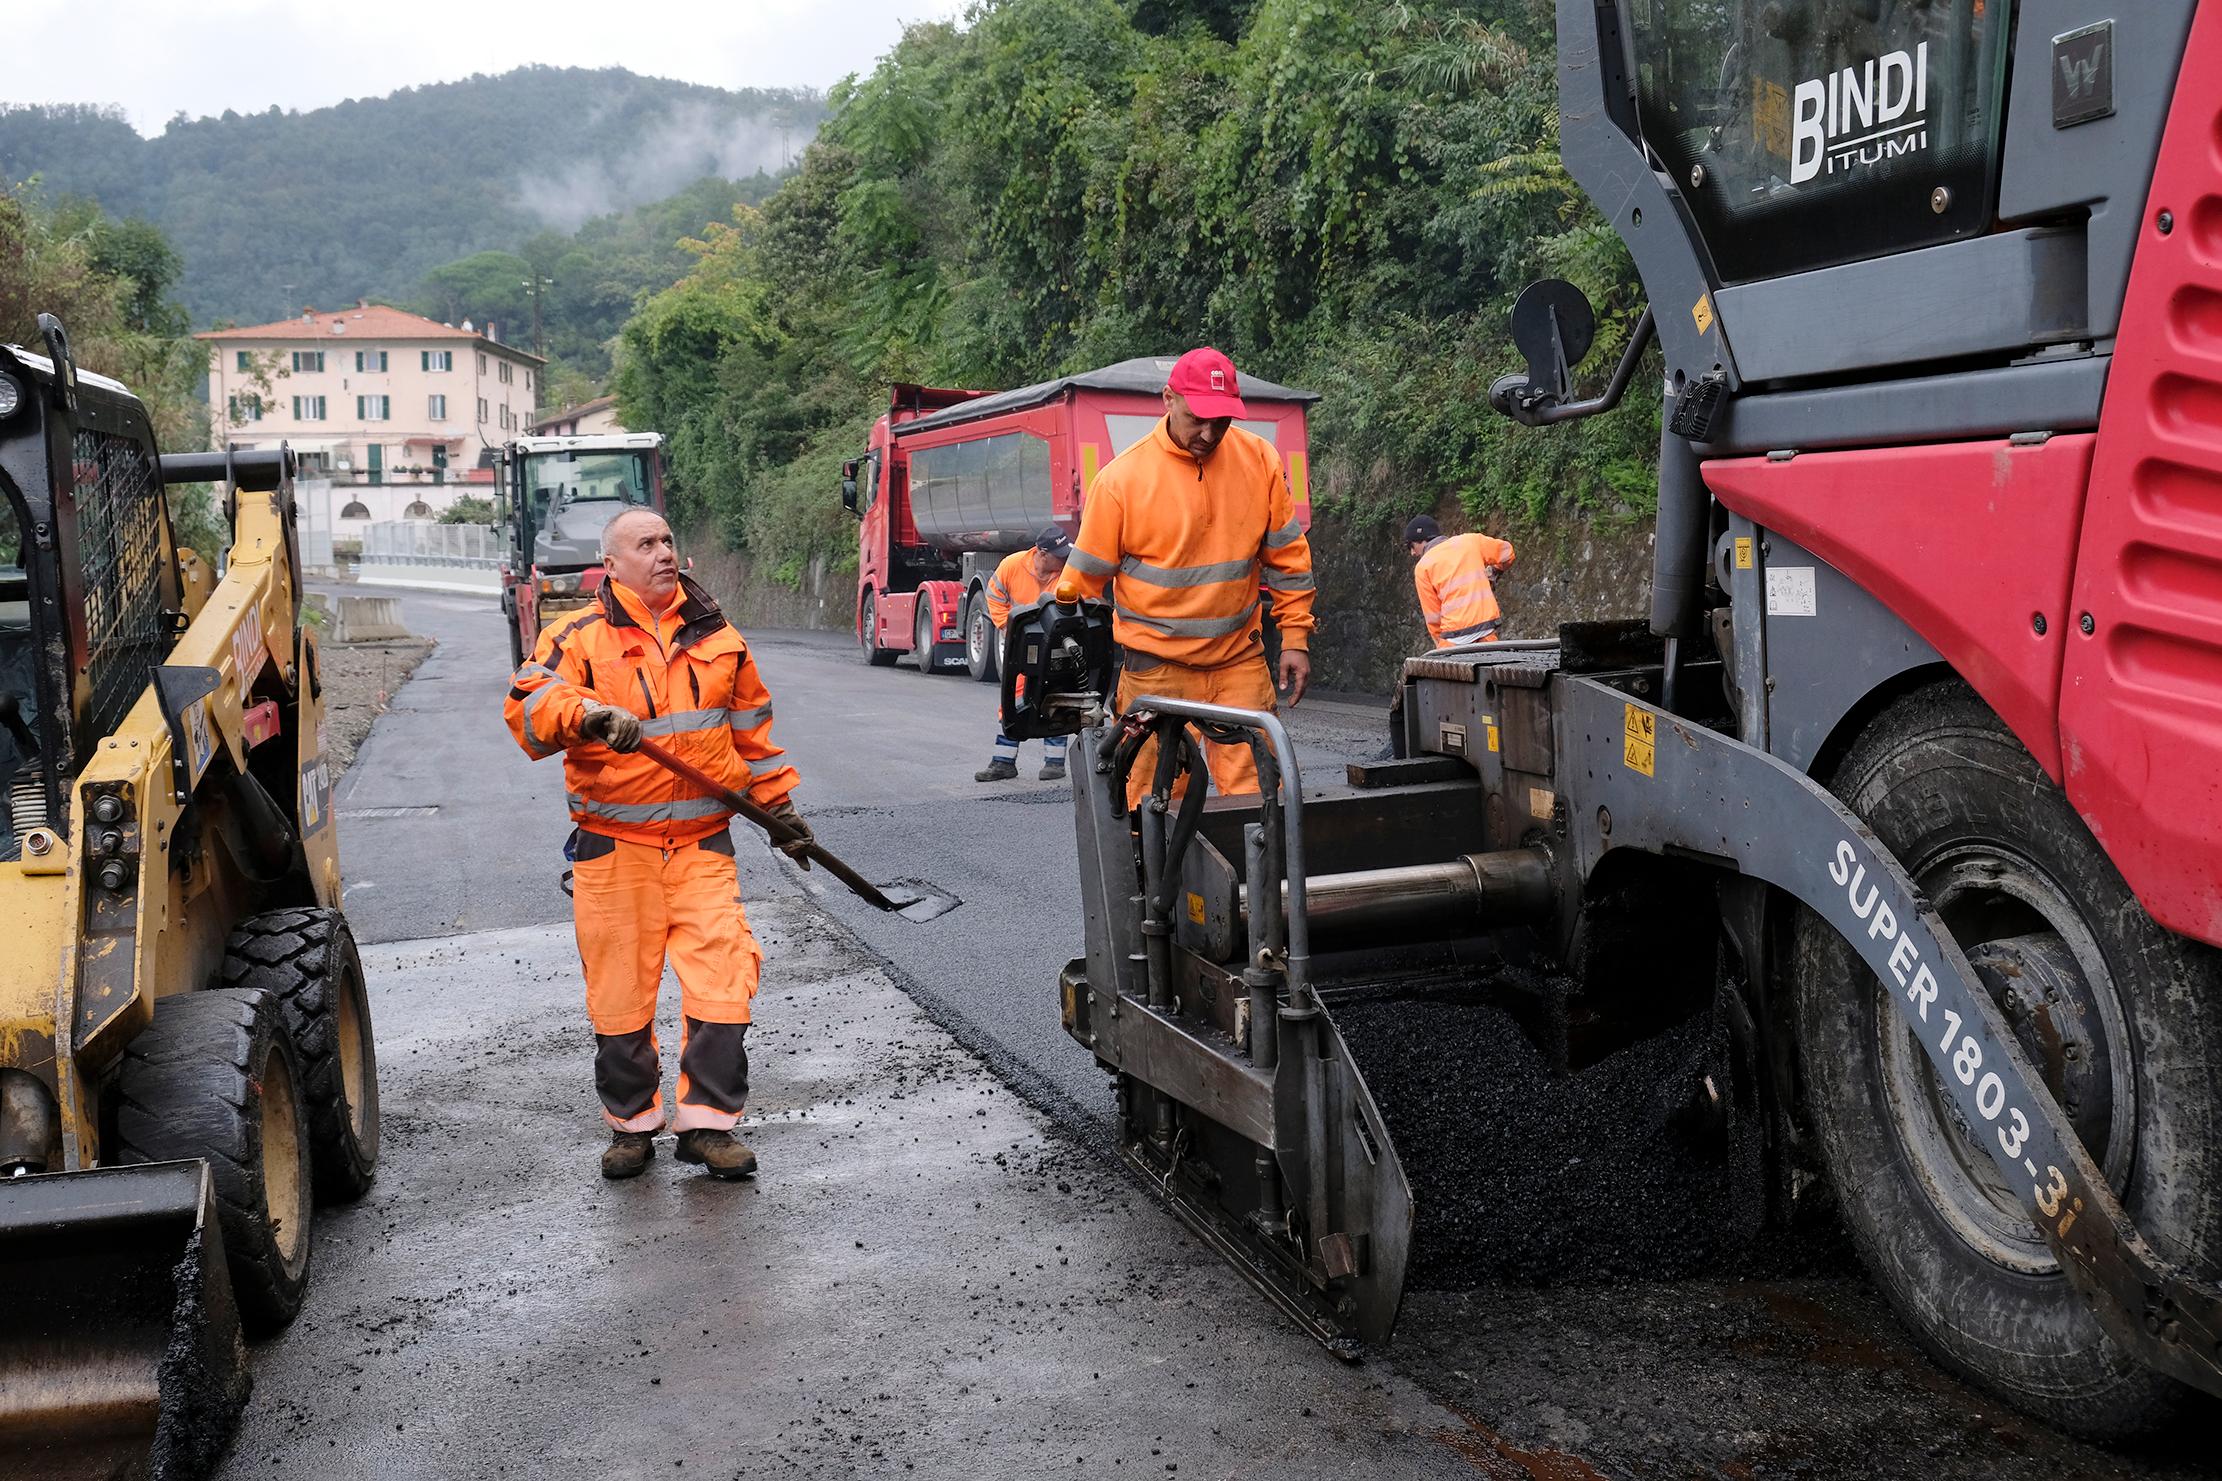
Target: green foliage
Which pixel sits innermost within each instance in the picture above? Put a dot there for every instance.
(1344, 196)
(470, 509)
(105, 281)
(274, 210)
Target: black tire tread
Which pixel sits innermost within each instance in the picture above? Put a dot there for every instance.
(290, 954)
(182, 1094)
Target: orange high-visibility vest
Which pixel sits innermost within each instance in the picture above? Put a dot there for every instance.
(1185, 546)
(1012, 585)
(1456, 597)
(688, 676)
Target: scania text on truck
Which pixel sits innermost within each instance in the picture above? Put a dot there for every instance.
(953, 481)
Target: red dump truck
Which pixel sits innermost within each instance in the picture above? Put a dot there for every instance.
(953, 481)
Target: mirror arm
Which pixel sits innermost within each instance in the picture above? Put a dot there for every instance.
(1514, 396)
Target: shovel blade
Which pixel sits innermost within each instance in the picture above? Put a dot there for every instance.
(918, 902)
(120, 1348)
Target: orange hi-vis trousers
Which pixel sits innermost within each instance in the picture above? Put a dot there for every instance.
(1244, 685)
(637, 905)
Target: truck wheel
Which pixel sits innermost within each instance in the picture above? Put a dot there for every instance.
(867, 629)
(516, 645)
(922, 638)
(2122, 1019)
(979, 639)
(306, 959)
(215, 1076)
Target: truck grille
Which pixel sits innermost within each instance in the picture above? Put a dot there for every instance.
(119, 542)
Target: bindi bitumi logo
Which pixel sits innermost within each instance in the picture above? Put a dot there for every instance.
(1861, 116)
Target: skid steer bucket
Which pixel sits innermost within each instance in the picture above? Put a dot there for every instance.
(120, 1347)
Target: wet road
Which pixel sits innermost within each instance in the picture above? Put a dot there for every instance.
(1784, 1364)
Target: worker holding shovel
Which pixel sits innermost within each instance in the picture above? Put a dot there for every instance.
(654, 874)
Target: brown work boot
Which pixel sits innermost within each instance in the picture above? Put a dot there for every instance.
(628, 1154)
(722, 1154)
(997, 771)
(1052, 771)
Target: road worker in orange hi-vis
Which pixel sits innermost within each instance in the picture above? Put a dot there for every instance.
(1019, 581)
(1184, 526)
(1452, 575)
(653, 874)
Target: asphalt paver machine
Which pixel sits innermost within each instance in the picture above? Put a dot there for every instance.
(1905, 786)
(186, 1059)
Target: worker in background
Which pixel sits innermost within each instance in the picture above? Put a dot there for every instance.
(1019, 581)
(654, 876)
(1452, 574)
(1188, 520)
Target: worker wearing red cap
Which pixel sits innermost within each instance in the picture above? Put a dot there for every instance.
(1452, 576)
(1184, 526)
(1019, 581)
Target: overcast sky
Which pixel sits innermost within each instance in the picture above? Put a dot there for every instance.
(155, 57)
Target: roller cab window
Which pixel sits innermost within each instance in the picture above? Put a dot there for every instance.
(1804, 135)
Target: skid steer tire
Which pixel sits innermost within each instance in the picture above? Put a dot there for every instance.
(2000, 852)
(306, 959)
(215, 1077)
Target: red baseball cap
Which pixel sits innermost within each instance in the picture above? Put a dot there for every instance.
(1206, 379)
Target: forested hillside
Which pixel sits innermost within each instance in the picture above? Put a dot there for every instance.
(1342, 195)
(270, 211)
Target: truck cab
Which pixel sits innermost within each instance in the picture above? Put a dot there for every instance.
(558, 495)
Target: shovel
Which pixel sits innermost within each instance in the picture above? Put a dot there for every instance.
(910, 904)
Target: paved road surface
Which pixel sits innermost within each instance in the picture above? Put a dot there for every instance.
(501, 1307)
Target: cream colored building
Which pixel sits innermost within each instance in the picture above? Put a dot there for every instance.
(400, 412)
(588, 419)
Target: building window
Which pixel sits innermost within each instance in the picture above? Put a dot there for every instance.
(417, 509)
(308, 408)
(505, 372)
(374, 408)
(435, 407)
(528, 380)
(374, 463)
(246, 408)
(371, 360)
(356, 509)
(308, 360)
(438, 359)
(482, 411)
(246, 360)
(481, 364)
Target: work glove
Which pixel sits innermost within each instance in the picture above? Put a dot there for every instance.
(618, 729)
(783, 812)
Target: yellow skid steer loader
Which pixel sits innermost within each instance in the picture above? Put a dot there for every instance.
(186, 1060)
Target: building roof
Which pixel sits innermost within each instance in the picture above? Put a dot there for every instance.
(369, 321)
(1142, 376)
(573, 413)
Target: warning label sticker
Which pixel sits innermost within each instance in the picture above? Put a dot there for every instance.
(1195, 907)
(1639, 747)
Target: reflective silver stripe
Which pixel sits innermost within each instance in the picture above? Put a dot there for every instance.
(537, 671)
(999, 591)
(685, 810)
(1287, 534)
(1478, 629)
(1193, 627)
(1089, 565)
(768, 765)
(750, 719)
(683, 721)
(1289, 580)
(1211, 575)
(1461, 585)
(533, 742)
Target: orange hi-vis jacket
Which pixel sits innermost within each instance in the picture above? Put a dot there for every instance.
(1012, 585)
(1456, 597)
(688, 676)
(1188, 542)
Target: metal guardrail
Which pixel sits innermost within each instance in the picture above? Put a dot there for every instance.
(418, 543)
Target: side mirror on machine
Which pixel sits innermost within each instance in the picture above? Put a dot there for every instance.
(1553, 326)
(848, 485)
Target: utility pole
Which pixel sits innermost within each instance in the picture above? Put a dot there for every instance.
(536, 288)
